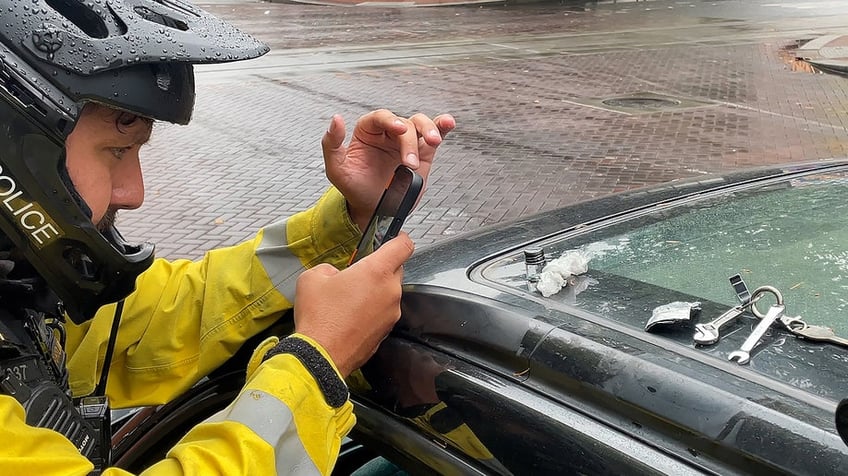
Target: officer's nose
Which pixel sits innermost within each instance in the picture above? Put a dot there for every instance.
(127, 183)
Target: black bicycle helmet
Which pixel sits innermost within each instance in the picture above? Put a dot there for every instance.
(57, 55)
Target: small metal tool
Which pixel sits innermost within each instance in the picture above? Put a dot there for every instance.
(743, 355)
(709, 333)
(706, 334)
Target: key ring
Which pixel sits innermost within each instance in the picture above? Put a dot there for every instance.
(758, 294)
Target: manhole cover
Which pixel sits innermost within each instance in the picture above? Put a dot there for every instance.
(644, 102)
(641, 103)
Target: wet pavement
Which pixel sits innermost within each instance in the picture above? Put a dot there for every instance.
(537, 91)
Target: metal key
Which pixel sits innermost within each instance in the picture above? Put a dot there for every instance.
(820, 334)
(706, 334)
(743, 355)
(792, 324)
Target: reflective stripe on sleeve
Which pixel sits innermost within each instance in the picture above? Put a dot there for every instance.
(282, 266)
(272, 421)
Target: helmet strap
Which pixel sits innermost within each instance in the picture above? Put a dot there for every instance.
(72, 189)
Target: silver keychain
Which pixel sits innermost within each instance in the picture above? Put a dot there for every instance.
(710, 332)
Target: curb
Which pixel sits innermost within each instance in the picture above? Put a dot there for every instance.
(828, 53)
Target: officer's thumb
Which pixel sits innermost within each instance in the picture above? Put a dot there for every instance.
(324, 269)
(392, 254)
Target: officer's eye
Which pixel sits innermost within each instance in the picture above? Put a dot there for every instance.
(119, 152)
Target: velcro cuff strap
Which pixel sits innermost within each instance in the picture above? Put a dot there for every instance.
(259, 354)
(328, 380)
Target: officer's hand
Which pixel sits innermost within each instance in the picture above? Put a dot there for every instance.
(381, 141)
(350, 312)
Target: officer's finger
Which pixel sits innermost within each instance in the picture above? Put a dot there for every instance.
(382, 121)
(445, 123)
(332, 142)
(427, 129)
(391, 255)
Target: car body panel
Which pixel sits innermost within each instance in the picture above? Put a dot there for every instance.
(517, 365)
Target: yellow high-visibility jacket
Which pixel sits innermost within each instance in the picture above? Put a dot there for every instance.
(184, 320)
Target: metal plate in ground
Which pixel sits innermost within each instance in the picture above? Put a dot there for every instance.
(643, 103)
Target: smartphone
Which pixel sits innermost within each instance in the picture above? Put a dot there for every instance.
(397, 201)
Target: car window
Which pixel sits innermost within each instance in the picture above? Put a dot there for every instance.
(791, 235)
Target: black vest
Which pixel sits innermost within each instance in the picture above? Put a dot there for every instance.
(33, 371)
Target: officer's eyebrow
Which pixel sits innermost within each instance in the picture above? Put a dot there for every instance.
(143, 136)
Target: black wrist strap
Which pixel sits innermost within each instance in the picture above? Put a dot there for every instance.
(334, 389)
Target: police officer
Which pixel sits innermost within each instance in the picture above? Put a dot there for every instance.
(80, 85)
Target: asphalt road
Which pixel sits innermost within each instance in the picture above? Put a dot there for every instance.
(534, 89)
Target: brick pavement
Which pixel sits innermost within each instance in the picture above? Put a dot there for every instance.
(530, 135)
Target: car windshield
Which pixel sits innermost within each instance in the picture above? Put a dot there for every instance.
(791, 235)
(794, 238)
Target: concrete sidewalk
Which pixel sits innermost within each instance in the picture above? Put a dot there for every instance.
(828, 53)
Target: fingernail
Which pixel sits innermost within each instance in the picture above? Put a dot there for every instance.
(411, 159)
(398, 122)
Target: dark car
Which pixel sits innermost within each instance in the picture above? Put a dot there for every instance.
(484, 374)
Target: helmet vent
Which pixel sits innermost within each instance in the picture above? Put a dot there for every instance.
(86, 20)
(160, 19)
(181, 7)
(163, 79)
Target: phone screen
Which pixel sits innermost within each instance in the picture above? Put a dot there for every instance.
(397, 201)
